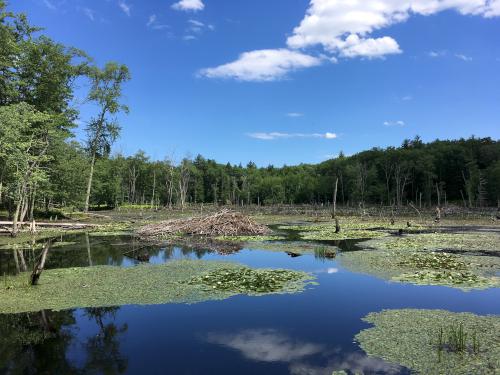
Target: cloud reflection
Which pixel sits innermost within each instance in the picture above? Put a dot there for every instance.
(356, 363)
(269, 345)
(266, 345)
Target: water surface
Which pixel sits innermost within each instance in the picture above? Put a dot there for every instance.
(310, 333)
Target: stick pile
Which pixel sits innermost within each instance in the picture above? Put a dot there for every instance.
(223, 223)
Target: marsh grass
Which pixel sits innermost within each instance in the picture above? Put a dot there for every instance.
(454, 339)
(324, 252)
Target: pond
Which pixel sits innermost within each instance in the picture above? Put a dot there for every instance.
(308, 333)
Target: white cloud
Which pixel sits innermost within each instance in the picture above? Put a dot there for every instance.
(343, 27)
(197, 27)
(49, 5)
(124, 7)
(154, 24)
(407, 98)
(89, 13)
(151, 20)
(394, 123)
(295, 114)
(355, 46)
(189, 5)
(277, 135)
(463, 57)
(435, 54)
(262, 65)
(196, 23)
(189, 37)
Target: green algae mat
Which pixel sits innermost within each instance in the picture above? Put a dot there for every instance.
(326, 231)
(466, 242)
(181, 281)
(426, 267)
(447, 259)
(434, 341)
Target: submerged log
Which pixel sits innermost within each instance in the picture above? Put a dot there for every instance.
(39, 266)
(50, 224)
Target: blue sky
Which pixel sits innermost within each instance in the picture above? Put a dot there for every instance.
(289, 81)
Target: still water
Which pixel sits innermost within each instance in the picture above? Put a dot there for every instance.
(310, 333)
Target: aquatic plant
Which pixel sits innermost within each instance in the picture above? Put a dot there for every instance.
(324, 252)
(252, 281)
(462, 279)
(489, 241)
(454, 339)
(179, 281)
(434, 341)
(426, 268)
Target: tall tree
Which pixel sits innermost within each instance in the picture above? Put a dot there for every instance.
(102, 130)
(25, 136)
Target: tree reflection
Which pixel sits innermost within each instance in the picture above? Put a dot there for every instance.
(103, 350)
(35, 342)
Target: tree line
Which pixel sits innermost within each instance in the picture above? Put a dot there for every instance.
(43, 166)
(465, 172)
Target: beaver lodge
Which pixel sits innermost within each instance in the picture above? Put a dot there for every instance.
(223, 223)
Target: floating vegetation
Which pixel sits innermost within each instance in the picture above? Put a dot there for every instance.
(244, 280)
(432, 260)
(174, 282)
(434, 341)
(463, 279)
(426, 268)
(469, 242)
(327, 231)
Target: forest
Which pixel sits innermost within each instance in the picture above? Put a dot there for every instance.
(43, 166)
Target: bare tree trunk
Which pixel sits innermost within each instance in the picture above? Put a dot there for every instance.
(154, 187)
(438, 195)
(37, 271)
(22, 262)
(89, 183)
(89, 255)
(334, 211)
(16, 260)
(15, 219)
